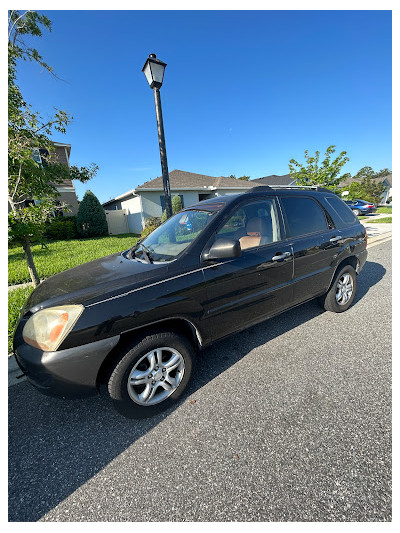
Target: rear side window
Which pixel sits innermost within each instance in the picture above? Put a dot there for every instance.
(341, 210)
(303, 216)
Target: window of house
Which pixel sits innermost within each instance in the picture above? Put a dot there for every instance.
(303, 215)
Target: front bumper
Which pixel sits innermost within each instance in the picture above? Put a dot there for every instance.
(70, 373)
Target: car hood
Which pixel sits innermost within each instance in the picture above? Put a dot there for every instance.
(90, 281)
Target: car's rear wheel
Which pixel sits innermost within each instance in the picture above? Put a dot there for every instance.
(342, 292)
(151, 374)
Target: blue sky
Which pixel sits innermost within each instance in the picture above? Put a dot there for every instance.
(243, 93)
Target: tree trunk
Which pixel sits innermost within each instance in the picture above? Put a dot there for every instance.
(29, 261)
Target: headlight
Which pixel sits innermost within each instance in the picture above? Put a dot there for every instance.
(47, 329)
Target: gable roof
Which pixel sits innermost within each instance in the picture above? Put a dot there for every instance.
(349, 181)
(272, 180)
(180, 179)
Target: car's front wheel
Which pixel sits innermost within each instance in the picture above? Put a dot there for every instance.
(342, 292)
(151, 374)
(357, 212)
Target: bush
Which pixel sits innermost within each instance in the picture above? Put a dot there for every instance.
(151, 224)
(61, 228)
(91, 218)
(176, 207)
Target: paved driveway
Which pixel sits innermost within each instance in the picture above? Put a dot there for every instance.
(287, 421)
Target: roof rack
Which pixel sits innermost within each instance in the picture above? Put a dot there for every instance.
(268, 187)
(260, 188)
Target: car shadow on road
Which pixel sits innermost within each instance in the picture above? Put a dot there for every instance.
(57, 445)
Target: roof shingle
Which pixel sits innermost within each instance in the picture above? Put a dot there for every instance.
(180, 179)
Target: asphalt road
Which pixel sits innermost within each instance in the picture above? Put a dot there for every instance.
(287, 421)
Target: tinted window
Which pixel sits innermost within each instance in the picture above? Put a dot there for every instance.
(303, 215)
(340, 208)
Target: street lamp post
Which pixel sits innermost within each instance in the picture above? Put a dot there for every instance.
(154, 71)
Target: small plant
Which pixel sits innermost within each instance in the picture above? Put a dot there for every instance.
(176, 207)
(151, 224)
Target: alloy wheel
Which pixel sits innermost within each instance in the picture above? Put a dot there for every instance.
(156, 376)
(344, 289)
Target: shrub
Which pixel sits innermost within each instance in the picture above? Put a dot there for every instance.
(61, 228)
(91, 218)
(176, 207)
(151, 224)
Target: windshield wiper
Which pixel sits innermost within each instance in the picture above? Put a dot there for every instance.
(146, 253)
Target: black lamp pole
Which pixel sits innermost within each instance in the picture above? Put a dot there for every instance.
(154, 72)
(163, 152)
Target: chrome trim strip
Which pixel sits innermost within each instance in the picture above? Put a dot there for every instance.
(158, 283)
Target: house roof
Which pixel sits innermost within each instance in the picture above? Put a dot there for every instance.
(180, 179)
(349, 181)
(272, 180)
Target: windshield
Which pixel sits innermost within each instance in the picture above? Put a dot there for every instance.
(167, 241)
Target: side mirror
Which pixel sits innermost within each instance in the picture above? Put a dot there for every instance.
(223, 249)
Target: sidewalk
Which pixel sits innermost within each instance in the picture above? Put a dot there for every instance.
(377, 229)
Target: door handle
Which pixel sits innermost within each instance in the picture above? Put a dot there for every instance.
(335, 239)
(281, 255)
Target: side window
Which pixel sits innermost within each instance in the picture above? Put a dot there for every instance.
(341, 210)
(253, 224)
(303, 215)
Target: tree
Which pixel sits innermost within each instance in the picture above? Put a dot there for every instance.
(244, 178)
(91, 218)
(365, 184)
(30, 180)
(176, 207)
(324, 174)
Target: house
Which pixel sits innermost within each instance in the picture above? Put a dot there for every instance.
(66, 188)
(386, 180)
(148, 200)
(274, 180)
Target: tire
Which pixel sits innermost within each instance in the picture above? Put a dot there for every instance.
(162, 364)
(342, 292)
(357, 212)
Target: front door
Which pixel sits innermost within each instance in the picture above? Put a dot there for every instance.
(247, 289)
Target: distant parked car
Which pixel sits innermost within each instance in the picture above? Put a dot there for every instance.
(361, 207)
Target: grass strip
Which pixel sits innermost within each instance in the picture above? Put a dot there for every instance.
(384, 220)
(387, 210)
(16, 300)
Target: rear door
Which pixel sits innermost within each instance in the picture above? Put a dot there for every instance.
(246, 289)
(315, 242)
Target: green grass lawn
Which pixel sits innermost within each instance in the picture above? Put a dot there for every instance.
(387, 210)
(61, 255)
(362, 217)
(381, 220)
(16, 300)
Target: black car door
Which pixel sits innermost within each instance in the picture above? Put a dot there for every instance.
(315, 242)
(256, 285)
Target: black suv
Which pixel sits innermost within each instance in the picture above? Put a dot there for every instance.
(134, 320)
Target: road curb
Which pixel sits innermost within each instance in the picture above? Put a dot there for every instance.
(372, 241)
